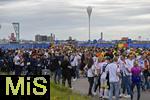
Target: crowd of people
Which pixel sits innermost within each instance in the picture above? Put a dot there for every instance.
(117, 71)
(110, 71)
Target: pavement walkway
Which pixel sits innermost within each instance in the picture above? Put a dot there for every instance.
(81, 86)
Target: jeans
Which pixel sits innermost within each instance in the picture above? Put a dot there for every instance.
(74, 72)
(77, 71)
(126, 84)
(57, 76)
(96, 83)
(138, 86)
(146, 84)
(114, 86)
(91, 81)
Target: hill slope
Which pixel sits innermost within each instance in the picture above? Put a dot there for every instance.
(58, 92)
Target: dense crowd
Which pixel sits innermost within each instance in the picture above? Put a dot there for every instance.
(110, 71)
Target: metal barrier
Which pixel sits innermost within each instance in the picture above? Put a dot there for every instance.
(26, 46)
(107, 45)
(45, 45)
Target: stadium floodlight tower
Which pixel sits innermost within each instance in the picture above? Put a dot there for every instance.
(89, 11)
(0, 26)
(16, 26)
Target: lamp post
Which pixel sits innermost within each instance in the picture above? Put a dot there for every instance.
(17, 30)
(0, 26)
(89, 11)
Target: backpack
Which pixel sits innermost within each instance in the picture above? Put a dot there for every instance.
(104, 67)
(71, 60)
(104, 75)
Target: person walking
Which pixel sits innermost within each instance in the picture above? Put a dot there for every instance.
(103, 79)
(136, 80)
(17, 64)
(127, 65)
(90, 74)
(114, 74)
(97, 75)
(125, 72)
(146, 72)
(66, 71)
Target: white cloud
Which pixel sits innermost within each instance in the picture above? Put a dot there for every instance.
(140, 17)
(69, 17)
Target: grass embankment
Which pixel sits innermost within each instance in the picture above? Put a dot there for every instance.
(58, 92)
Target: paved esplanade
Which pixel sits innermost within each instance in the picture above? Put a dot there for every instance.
(81, 86)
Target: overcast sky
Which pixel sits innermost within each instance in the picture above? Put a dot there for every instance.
(64, 18)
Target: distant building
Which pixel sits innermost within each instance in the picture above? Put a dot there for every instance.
(101, 36)
(44, 38)
(71, 41)
(124, 38)
(41, 38)
(70, 38)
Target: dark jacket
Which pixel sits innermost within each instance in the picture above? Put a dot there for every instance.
(66, 71)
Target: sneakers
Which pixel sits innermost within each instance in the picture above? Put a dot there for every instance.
(94, 93)
(105, 97)
(127, 96)
(71, 88)
(121, 95)
(74, 79)
(113, 97)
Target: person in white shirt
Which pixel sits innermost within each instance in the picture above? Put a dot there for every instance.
(129, 62)
(72, 61)
(78, 63)
(90, 74)
(97, 74)
(95, 59)
(103, 79)
(127, 65)
(125, 77)
(114, 74)
(76, 60)
(17, 63)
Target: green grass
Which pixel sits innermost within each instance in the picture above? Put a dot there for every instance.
(58, 92)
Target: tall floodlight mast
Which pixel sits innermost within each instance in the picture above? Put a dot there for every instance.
(17, 30)
(89, 11)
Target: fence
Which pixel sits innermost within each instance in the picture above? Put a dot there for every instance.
(45, 45)
(107, 45)
(26, 46)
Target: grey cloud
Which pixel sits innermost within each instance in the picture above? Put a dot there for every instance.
(4, 2)
(67, 19)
